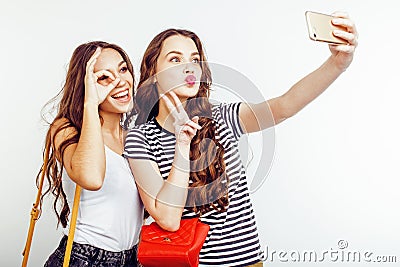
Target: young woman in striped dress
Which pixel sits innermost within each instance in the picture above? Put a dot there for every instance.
(183, 141)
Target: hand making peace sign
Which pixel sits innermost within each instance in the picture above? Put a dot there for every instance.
(185, 129)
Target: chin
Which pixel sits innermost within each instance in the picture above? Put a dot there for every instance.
(186, 92)
(125, 109)
(116, 109)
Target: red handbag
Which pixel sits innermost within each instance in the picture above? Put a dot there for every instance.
(158, 247)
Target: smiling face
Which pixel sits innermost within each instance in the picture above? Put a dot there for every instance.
(119, 100)
(178, 67)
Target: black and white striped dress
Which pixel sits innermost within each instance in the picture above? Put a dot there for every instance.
(233, 238)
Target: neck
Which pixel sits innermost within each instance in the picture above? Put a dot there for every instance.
(111, 123)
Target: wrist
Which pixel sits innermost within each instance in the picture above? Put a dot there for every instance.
(333, 66)
(90, 105)
(183, 147)
(182, 157)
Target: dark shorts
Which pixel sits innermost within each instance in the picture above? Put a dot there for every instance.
(86, 256)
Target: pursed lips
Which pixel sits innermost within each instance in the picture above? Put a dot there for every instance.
(190, 79)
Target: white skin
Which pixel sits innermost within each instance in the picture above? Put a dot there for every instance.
(107, 77)
(181, 51)
(171, 73)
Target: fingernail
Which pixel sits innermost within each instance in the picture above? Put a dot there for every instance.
(335, 21)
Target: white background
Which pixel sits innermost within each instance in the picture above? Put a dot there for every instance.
(335, 173)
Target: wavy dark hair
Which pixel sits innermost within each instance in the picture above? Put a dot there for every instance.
(70, 114)
(208, 178)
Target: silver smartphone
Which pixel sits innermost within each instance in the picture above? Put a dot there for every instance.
(320, 28)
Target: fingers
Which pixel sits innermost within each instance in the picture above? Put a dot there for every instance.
(170, 106)
(346, 23)
(113, 84)
(195, 119)
(350, 34)
(184, 127)
(179, 112)
(189, 131)
(340, 14)
(103, 79)
(104, 74)
(178, 103)
(190, 128)
(343, 48)
(342, 19)
(193, 124)
(92, 60)
(90, 66)
(349, 37)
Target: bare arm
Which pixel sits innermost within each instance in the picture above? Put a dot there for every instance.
(165, 199)
(85, 161)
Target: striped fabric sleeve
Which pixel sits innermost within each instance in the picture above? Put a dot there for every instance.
(230, 114)
(137, 145)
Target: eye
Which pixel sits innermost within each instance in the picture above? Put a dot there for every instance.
(124, 69)
(196, 60)
(102, 78)
(175, 59)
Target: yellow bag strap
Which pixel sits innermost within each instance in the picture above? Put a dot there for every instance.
(72, 226)
(36, 210)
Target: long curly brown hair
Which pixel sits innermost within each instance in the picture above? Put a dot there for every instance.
(208, 179)
(70, 110)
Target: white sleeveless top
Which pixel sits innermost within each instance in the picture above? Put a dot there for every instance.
(111, 217)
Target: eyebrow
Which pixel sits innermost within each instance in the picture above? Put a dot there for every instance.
(180, 53)
(119, 64)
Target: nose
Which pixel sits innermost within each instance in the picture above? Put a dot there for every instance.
(188, 69)
(122, 80)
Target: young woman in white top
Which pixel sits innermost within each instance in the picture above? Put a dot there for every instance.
(86, 141)
(182, 140)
